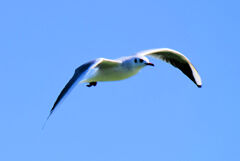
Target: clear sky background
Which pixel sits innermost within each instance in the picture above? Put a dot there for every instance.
(156, 115)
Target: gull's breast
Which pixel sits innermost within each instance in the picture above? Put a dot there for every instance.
(114, 74)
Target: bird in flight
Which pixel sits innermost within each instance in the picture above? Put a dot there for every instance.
(101, 69)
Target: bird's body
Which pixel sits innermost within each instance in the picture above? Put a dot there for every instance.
(120, 71)
(101, 69)
(113, 74)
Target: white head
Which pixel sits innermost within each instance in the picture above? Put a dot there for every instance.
(140, 61)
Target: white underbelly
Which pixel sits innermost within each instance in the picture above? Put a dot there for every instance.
(113, 74)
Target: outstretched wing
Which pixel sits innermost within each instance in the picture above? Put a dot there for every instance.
(79, 72)
(177, 60)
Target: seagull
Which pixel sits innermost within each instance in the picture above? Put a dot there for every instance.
(102, 70)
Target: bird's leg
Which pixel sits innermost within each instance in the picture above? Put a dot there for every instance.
(92, 84)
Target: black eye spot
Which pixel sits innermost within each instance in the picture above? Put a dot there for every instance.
(141, 60)
(135, 60)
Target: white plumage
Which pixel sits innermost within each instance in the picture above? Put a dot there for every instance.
(102, 69)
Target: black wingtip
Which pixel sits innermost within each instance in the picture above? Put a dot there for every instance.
(199, 86)
(47, 120)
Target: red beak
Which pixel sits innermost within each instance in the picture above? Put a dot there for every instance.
(151, 64)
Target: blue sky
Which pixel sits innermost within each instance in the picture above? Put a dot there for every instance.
(158, 114)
